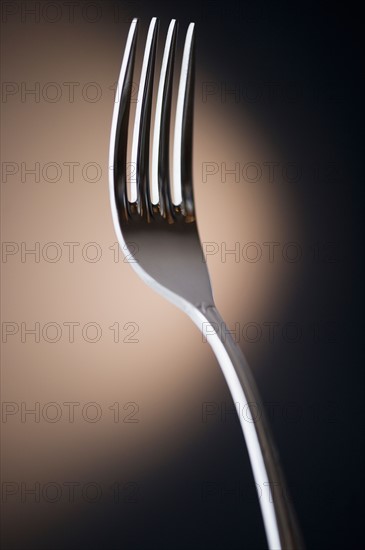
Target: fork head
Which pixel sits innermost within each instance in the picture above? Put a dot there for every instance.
(155, 218)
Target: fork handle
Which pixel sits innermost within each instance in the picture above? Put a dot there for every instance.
(279, 518)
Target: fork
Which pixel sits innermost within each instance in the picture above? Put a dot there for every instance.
(157, 214)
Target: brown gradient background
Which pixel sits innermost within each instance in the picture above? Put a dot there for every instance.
(170, 372)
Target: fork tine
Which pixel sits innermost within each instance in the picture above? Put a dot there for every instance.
(160, 189)
(182, 152)
(140, 143)
(119, 129)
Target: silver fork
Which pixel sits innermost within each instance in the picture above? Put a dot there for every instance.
(158, 214)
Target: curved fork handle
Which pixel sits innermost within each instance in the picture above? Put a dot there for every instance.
(280, 523)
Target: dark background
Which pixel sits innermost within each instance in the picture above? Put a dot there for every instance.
(310, 50)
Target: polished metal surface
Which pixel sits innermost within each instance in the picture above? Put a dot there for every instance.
(157, 230)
